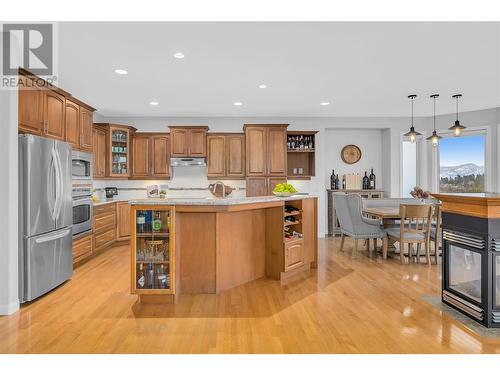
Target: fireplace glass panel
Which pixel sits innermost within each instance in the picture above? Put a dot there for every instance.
(465, 272)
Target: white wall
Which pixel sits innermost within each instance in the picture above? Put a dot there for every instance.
(370, 143)
(9, 299)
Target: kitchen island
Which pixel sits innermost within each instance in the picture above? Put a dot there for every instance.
(195, 246)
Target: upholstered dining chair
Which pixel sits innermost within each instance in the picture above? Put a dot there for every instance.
(414, 229)
(353, 224)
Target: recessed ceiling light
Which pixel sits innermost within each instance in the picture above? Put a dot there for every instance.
(179, 55)
(237, 104)
(324, 103)
(263, 86)
(121, 71)
(154, 103)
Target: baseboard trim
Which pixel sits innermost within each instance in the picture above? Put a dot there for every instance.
(9, 308)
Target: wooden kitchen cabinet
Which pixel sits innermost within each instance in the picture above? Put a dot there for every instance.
(266, 157)
(235, 155)
(216, 159)
(122, 221)
(226, 155)
(54, 108)
(294, 255)
(73, 124)
(86, 123)
(30, 107)
(99, 150)
(188, 141)
(82, 248)
(150, 155)
(104, 226)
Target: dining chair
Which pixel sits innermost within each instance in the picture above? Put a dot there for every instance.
(414, 229)
(435, 230)
(353, 224)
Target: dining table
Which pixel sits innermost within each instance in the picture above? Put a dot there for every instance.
(388, 216)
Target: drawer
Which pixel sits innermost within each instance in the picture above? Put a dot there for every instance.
(104, 209)
(104, 239)
(104, 220)
(82, 248)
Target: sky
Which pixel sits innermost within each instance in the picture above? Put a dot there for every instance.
(462, 150)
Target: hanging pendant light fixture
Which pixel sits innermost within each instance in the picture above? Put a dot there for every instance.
(434, 138)
(412, 134)
(457, 128)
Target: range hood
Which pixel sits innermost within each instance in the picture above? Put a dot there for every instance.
(188, 162)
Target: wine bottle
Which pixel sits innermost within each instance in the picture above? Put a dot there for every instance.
(140, 220)
(372, 180)
(140, 278)
(343, 182)
(311, 145)
(337, 182)
(332, 181)
(150, 276)
(157, 222)
(366, 182)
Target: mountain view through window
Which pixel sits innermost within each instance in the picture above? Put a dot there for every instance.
(462, 164)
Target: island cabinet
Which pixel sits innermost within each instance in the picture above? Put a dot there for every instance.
(48, 111)
(266, 158)
(226, 155)
(122, 221)
(188, 141)
(153, 253)
(150, 155)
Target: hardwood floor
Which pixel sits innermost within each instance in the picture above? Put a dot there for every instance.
(360, 305)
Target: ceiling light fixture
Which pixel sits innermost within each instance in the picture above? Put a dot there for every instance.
(263, 86)
(237, 104)
(121, 71)
(434, 138)
(412, 134)
(457, 128)
(179, 55)
(154, 103)
(324, 103)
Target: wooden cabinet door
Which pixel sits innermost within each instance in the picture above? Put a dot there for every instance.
(272, 182)
(197, 143)
(54, 108)
(86, 121)
(179, 139)
(30, 106)
(256, 186)
(160, 156)
(100, 155)
(122, 221)
(293, 255)
(140, 157)
(82, 248)
(235, 156)
(216, 155)
(309, 230)
(256, 151)
(276, 151)
(73, 124)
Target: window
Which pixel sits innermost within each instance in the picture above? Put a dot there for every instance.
(461, 164)
(409, 167)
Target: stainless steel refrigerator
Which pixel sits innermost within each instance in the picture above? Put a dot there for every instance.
(45, 215)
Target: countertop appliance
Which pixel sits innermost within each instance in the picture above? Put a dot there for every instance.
(111, 192)
(45, 215)
(81, 165)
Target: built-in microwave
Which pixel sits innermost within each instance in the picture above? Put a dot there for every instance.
(81, 165)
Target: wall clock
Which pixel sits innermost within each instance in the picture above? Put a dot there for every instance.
(350, 154)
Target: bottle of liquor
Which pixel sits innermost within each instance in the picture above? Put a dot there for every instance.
(337, 182)
(311, 145)
(150, 275)
(333, 185)
(141, 280)
(157, 222)
(366, 182)
(292, 143)
(372, 180)
(140, 220)
(343, 182)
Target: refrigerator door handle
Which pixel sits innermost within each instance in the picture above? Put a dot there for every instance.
(53, 237)
(57, 208)
(52, 190)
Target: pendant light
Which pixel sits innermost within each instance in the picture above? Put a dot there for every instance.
(434, 138)
(457, 128)
(412, 134)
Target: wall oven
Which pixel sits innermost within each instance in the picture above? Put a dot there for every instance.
(82, 208)
(81, 165)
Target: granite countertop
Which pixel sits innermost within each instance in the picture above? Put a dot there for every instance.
(107, 201)
(214, 201)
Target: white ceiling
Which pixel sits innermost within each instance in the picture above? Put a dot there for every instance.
(362, 69)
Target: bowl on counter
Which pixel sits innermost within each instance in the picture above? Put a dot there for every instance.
(283, 194)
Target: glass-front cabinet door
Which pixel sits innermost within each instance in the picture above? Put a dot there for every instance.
(152, 251)
(119, 152)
